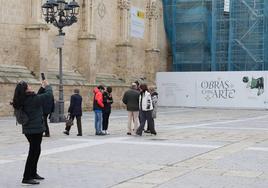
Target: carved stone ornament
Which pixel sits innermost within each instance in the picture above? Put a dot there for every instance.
(124, 4)
(101, 9)
(152, 10)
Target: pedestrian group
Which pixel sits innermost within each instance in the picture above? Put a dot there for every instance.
(141, 105)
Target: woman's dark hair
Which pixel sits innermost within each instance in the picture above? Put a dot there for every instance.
(101, 87)
(245, 79)
(109, 89)
(19, 94)
(76, 91)
(144, 87)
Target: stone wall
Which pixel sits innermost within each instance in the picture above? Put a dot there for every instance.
(99, 44)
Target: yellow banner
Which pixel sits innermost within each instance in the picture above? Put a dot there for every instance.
(140, 14)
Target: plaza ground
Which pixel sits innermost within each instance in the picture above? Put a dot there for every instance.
(194, 148)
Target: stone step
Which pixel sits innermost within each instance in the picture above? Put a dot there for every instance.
(68, 77)
(15, 73)
(108, 79)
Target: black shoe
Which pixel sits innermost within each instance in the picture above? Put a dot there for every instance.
(128, 133)
(100, 134)
(154, 133)
(147, 131)
(37, 177)
(79, 134)
(66, 132)
(30, 182)
(138, 134)
(46, 135)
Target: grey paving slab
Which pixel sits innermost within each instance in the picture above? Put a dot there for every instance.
(244, 161)
(207, 148)
(199, 180)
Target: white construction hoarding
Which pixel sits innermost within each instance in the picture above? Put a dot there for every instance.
(213, 89)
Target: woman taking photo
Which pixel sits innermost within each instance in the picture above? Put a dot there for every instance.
(31, 103)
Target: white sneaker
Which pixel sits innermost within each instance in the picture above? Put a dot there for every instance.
(106, 132)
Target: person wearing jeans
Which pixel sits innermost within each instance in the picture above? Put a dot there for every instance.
(98, 107)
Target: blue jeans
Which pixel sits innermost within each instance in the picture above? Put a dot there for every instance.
(98, 121)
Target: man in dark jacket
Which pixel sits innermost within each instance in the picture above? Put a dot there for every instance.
(131, 100)
(75, 111)
(48, 108)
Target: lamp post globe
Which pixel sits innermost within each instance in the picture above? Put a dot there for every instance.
(60, 13)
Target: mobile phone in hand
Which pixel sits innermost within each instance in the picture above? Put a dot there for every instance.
(43, 76)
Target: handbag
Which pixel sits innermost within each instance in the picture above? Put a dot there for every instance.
(69, 121)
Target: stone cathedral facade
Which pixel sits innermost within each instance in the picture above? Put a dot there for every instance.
(114, 42)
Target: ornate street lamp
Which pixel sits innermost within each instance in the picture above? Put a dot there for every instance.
(60, 13)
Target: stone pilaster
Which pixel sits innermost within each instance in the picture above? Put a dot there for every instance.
(124, 48)
(124, 7)
(35, 11)
(36, 40)
(87, 42)
(37, 48)
(152, 53)
(152, 63)
(87, 57)
(124, 59)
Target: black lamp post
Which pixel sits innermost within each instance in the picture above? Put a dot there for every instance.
(60, 13)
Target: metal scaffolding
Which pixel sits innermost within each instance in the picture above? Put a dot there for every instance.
(217, 35)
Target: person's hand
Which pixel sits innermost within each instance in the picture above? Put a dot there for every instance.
(44, 83)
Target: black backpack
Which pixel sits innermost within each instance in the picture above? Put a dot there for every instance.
(21, 116)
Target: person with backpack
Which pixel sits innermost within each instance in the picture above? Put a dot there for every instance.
(30, 103)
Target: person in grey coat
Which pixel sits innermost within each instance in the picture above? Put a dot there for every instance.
(31, 103)
(131, 100)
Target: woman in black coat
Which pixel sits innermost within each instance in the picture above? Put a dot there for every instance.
(31, 103)
(106, 111)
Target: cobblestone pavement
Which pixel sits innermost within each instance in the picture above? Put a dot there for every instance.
(194, 148)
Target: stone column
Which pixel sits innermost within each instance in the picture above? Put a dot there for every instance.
(152, 53)
(87, 42)
(124, 48)
(36, 40)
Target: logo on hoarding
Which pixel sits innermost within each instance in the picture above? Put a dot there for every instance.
(217, 89)
(255, 83)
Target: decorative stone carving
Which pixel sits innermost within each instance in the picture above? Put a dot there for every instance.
(87, 19)
(124, 16)
(124, 4)
(152, 9)
(101, 10)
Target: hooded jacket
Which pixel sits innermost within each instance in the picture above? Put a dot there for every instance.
(98, 100)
